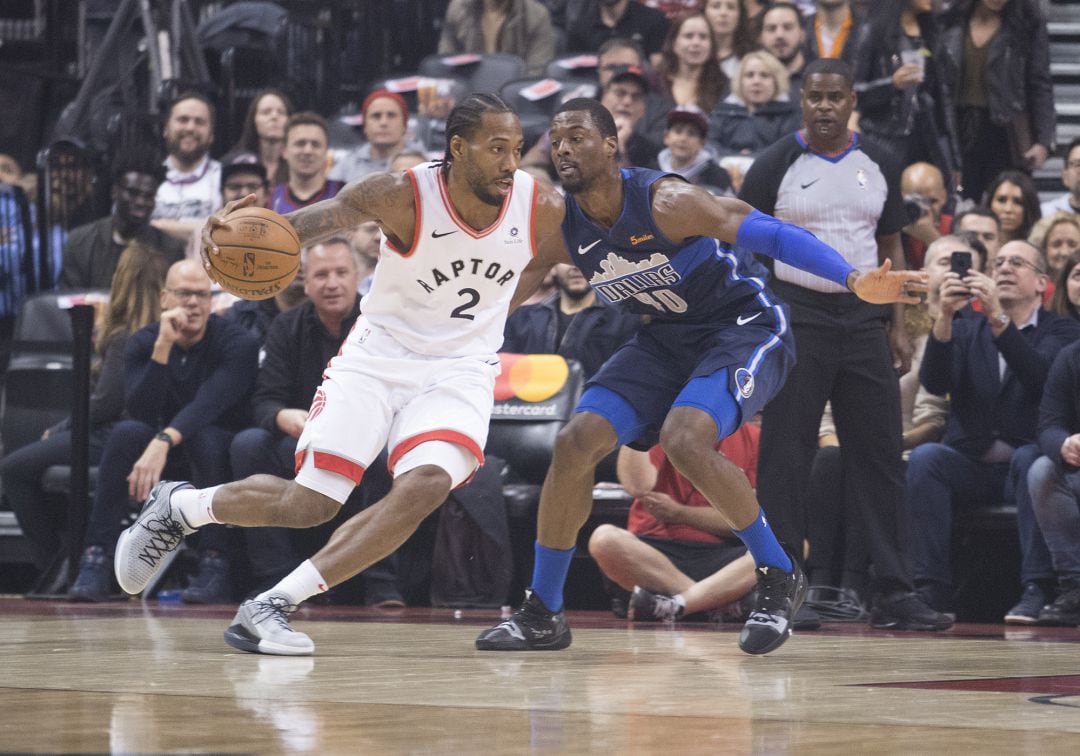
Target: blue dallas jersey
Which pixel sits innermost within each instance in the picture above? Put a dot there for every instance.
(635, 266)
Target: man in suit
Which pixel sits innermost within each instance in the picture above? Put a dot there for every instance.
(993, 365)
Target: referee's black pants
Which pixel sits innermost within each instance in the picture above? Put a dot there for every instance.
(843, 355)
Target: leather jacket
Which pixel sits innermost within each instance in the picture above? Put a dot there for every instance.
(1018, 68)
(886, 111)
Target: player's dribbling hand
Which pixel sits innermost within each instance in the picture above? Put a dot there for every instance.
(885, 286)
(219, 220)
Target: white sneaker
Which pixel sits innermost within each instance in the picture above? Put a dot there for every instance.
(262, 627)
(149, 545)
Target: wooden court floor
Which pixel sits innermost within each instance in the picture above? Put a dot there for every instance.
(134, 678)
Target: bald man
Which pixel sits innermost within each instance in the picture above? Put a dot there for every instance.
(923, 187)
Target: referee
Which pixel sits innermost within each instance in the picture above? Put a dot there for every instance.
(848, 195)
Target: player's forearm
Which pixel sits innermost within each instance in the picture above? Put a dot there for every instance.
(323, 220)
(792, 245)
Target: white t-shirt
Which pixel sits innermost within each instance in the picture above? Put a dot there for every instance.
(189, 195)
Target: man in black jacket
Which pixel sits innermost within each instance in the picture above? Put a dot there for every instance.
(93, 250)
(299, 344)
(186, 381)
(1054, 483)
(993, 365)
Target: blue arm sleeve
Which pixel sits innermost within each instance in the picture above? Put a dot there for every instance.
(795, 246)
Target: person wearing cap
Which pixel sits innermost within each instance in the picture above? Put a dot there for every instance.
(243, 178)
(686, 153)
(518, 27)
(624, 96)
(385, 117)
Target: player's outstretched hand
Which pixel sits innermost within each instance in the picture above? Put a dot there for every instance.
(215, 221)
(885, 286)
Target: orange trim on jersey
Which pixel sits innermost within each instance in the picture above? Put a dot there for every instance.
(416, 221)
(332, 463)
(452, 436)
(444, 191)
(532, 216)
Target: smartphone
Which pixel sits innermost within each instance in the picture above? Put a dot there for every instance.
(960, 263)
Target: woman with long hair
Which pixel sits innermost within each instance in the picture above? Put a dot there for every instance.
(688, 67)
(1066, 299)
(1012, 197)
(1058, 236)
(262, 139)
(731, 27)
(904, 105)
(133, 303)
(996, 57)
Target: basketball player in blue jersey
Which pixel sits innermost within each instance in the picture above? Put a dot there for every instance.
(716, 350)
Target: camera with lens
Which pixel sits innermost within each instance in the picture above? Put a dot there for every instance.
(915, 207)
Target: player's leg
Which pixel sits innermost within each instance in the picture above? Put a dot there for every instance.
(624, 402)
(435, 440)
(707, 409)
(426, 476)
(565, 503)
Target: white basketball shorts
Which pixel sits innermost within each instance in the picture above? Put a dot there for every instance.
(378, 393)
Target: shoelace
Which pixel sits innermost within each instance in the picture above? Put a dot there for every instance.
(166, 535)
(274, 608)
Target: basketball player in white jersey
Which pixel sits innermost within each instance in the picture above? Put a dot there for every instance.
(416, 373)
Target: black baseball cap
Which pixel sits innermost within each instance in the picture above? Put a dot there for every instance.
(242, 166)
(635, 73)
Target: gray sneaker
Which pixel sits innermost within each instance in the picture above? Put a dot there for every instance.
(149, 545)
(262, 627)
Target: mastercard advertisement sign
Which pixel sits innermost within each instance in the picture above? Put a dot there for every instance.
(533, 387)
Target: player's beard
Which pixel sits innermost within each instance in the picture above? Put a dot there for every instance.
(480, 186)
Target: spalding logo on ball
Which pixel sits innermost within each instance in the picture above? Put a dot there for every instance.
(260, 253)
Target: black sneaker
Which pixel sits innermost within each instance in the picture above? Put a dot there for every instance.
(532, 627)
(1032, 600)
(646, 606)
(210, 584)
(779, 596)
(904, 610)
(92, 583)
(1065, 609)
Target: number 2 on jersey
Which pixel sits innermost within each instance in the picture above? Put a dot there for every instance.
(462, 311)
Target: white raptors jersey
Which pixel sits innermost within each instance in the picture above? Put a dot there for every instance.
(449, 294)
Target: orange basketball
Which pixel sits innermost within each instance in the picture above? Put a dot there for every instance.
(260, 253)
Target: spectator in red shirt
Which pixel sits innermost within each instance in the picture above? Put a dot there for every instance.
(677, 553)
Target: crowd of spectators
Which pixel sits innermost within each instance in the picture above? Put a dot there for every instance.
(951, 110)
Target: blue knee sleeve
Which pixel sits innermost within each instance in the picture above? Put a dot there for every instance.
(712, 394)
(613, 408)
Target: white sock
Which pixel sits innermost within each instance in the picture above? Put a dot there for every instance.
(299, 585)
(681, 602)
(195, 505)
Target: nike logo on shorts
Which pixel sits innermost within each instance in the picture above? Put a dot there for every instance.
(809, 184)
(582, 250)
(437, 235)
(744, 319)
